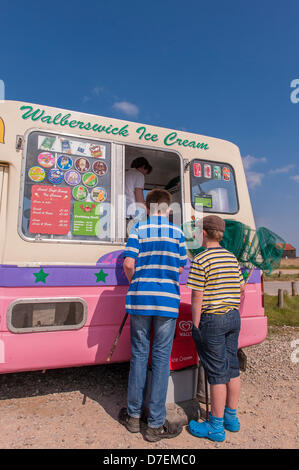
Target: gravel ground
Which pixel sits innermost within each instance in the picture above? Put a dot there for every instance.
(77, 408)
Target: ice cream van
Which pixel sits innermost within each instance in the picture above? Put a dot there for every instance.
(63, 229)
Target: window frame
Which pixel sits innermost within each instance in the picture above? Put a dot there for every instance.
(117, 167)
(235, 185)
(36, 239)
(182, 172)
(49, 300)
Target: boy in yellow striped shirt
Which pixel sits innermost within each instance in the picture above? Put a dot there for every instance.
(217, 282)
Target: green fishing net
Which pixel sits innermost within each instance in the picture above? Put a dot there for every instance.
(236, 239)
(266, 250)
(259, 248)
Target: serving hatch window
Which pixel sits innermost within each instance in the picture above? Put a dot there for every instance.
(213, 187)
(66, 188)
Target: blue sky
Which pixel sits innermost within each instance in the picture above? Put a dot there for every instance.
(216, 68)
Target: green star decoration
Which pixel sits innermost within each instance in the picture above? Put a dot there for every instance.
(41, 276)
(101, 276)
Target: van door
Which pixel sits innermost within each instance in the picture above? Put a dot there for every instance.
(3, 205)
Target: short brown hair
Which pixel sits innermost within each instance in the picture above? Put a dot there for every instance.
(213, 222)
(158, 196)
(216, 235)
(214, 226)
(141, 162)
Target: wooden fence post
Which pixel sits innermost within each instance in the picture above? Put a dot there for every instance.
(280, 298)
(294, 289)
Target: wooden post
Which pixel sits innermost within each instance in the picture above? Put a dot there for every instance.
(294, 289)
(280, 298)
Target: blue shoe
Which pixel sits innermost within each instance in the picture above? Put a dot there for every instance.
(231, 422)
(212, 429)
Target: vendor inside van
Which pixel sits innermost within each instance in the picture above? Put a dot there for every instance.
(147, 169)
(134, 187)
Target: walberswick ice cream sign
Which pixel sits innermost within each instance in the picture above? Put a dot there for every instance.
(171, 139)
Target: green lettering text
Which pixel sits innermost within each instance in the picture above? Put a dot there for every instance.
(46, 119)
(141, 131)
(34, 115)
(64, 120)
(58, 116)
(170, 137)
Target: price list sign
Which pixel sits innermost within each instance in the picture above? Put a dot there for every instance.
(50, 210)
(86, 218)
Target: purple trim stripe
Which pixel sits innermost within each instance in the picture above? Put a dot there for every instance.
(108, 271)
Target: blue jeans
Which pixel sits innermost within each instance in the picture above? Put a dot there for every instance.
(216, 341)
(164, 328)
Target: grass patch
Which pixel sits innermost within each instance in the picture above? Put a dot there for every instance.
(289, 266)
(288, 315)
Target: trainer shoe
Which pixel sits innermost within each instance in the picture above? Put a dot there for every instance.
(167, 431)
(132, 424)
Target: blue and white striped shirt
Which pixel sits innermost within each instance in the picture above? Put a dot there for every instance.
(159, 249)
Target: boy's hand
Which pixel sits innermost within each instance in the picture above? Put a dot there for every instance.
(129, 268)
(242, 289)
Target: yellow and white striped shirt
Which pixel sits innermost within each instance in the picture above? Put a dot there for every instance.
(217, 273)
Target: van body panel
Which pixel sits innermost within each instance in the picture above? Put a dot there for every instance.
(43, 273)
(18, 250)
(38, 351)
(90, 344)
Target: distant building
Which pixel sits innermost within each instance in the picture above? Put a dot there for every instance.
(289, 251)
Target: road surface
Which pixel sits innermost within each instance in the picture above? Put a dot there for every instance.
(271, 287)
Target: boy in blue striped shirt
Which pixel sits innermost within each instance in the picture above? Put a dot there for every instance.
(155, 255)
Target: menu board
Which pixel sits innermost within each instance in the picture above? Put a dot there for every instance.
(86, 218)
(67, 188)
(50, 210)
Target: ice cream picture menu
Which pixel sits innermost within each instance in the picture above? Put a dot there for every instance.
(62, 174)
